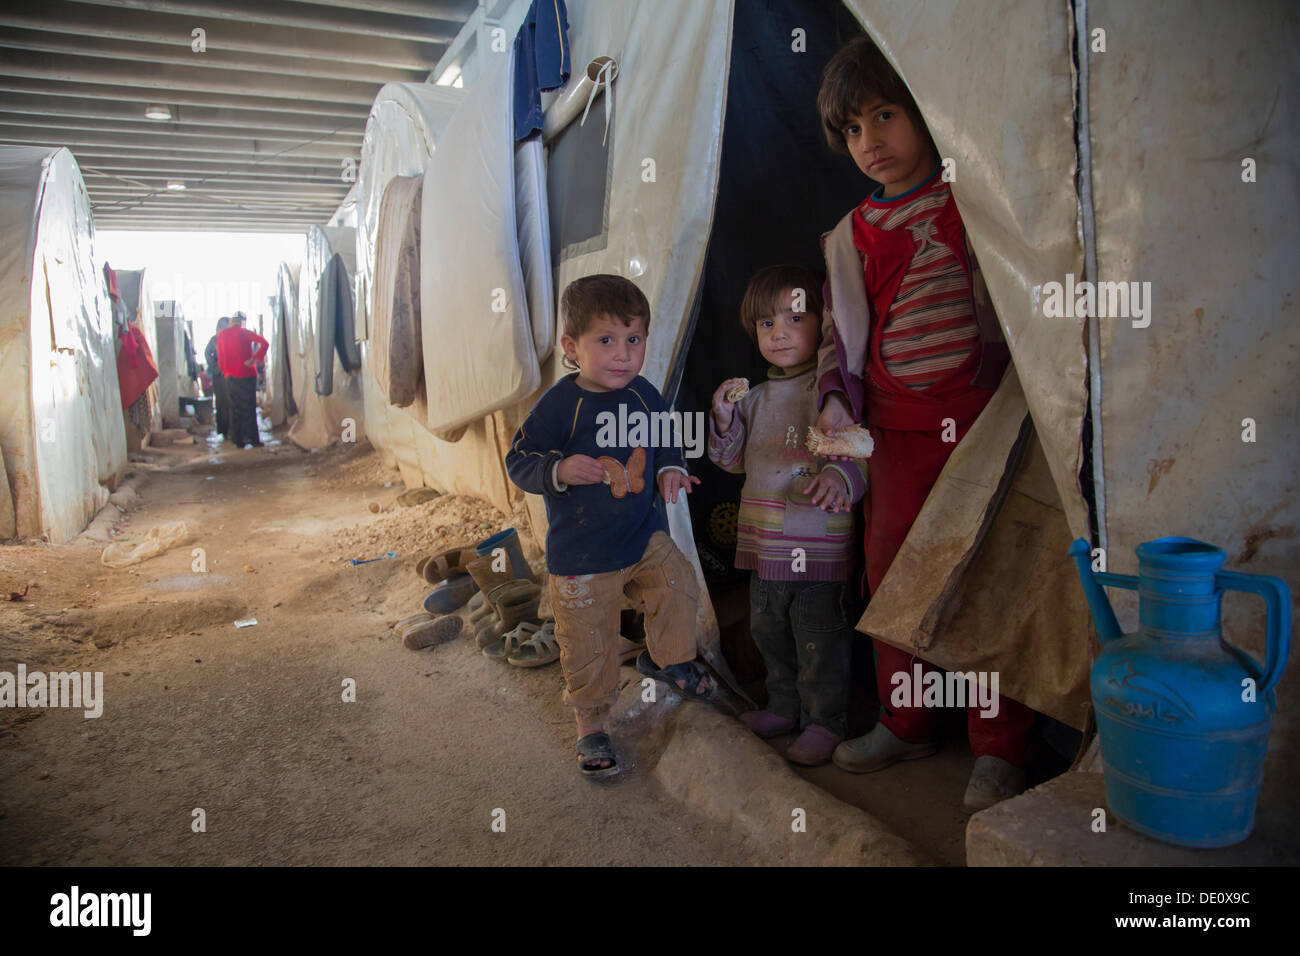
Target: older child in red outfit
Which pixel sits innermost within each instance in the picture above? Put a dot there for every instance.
(910, 351)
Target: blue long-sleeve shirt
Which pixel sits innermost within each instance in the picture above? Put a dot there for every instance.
(592, 529)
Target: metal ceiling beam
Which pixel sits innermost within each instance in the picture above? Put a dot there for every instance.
(105, 187)
(85, 69)
(56, 109)
(13, 38)
(76, 140)
(145, 93)
(440, 23)
(438, 9)
(128, 131)
(199, 169)
(63, 16)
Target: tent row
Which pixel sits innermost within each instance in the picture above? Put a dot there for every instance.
(1101, 429)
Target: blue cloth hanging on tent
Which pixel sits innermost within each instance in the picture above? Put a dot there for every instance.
(542, 61)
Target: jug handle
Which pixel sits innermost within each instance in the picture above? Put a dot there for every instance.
(1277, 598)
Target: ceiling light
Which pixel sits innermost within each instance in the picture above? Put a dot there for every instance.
(175, 184)
(156, 112)
(449, 76)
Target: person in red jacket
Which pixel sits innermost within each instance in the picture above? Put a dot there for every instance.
(238, 352)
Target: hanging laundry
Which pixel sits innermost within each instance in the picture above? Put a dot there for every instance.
(542, 62)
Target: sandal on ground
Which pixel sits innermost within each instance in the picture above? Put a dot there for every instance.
(512, 641)
(539, 650)
(628, 650)
(690, 673)
(595, 747)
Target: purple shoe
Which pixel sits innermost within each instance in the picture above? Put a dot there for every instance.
(767, 724)
(814, 746)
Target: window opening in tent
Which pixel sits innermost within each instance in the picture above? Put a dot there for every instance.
(579, 169)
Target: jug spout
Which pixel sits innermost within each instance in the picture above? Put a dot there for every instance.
(1103, 615)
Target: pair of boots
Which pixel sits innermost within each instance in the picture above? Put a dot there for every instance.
(503, 609)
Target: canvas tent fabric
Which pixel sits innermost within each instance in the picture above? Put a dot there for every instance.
(335, 325)
(280, 405)
(61, 427)
(172, 357)
(322, 419)
(1180, 457)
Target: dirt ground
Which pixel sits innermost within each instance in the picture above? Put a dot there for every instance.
(249, 724)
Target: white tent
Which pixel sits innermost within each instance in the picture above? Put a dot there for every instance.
(1116, 429)
(322, 419)
(171, 330)
(61, 426)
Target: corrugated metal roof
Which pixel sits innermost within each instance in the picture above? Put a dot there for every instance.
(264, 112)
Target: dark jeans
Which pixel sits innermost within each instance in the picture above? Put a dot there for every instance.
(802, 630)
(243, 411)
(221, 403)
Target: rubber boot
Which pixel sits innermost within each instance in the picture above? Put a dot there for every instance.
(516, 601)
(487, 580)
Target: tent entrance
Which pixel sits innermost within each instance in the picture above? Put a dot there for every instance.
(779, 188)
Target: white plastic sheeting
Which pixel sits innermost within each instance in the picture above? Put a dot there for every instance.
(323, 419)
(61, 428)
(478, 343)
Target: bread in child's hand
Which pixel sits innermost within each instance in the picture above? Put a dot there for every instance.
(852, 442)
(737, 392)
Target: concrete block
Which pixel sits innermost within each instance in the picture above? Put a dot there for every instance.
(1052, 825)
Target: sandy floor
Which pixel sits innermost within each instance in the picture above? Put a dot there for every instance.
(249, 724)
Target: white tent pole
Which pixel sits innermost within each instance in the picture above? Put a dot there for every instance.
(1084, 145)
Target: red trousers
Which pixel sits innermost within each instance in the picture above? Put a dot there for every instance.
(1005, 735)
(904, 467)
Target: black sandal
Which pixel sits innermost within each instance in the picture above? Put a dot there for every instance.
(597, 747)
(690, 673)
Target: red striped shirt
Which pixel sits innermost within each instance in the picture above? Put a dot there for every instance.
(930, 329)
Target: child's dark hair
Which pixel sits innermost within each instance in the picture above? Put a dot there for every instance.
(856, 73)
(590, 297)
(766, 295)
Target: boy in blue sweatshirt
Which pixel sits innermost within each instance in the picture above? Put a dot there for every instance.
(587, 448)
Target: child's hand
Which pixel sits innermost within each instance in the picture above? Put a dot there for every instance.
(723, 410)
(672, 481)
(835, 415)
(828, 492)
(580, 470)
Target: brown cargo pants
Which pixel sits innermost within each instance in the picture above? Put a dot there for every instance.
(587, 608)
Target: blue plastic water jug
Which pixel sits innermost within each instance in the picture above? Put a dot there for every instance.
(1183, 717)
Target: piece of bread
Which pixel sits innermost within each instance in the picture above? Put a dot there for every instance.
(852, 442)
(737, 392)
